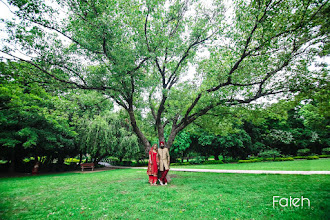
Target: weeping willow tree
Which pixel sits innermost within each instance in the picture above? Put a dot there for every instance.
(107, 135)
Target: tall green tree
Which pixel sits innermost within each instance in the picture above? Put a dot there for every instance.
(32, 125)
(139, 52)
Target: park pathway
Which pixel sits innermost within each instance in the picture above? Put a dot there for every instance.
(236, 171)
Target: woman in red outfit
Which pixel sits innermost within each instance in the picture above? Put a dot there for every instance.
(153, 165)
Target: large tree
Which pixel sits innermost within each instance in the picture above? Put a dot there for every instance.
(139, 52)
(33, 123)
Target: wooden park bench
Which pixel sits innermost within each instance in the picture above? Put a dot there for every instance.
(87, 165)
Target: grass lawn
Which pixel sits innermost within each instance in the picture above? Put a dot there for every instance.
(306, 165)
(125, 194)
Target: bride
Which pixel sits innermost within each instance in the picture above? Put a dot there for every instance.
(153, 165)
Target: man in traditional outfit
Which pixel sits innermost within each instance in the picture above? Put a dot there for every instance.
(164, 162)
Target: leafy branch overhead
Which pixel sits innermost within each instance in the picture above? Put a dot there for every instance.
(175, 60)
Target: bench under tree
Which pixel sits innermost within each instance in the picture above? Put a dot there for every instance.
(87, 165)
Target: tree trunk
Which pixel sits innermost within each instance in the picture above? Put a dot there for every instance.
(12, 161)
(172, 136)
(80, 157)
(161, 133)
(216, 157)
(137, 131)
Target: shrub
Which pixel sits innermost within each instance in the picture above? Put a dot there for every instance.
(300, 157)
(71, 160)
(278, 159)
(145, 163)
(249, 161)
(194, 162)
(178, 164)
(284, 159)
(230, 160)
(312, 158)
(269, 153)
(326, 151)
(303, 152)
(213, 162)
(325, 156)
(267, 159)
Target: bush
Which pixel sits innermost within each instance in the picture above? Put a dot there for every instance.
(230, 160)
(249, 161)
(178, 164)
(267, 159)
(213, 162)
(71, 160)
(145, 163)
(325, 156)
(197, 160)
(303, 152)
(284, 159)
(193, 162)
(269, 153)
(312, 158)
(3, 161)
(326, 151)
(300, 157)
(278, 159)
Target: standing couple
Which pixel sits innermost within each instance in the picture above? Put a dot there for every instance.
(159, 159)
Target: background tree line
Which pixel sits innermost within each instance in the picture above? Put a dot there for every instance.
(138, 53)
(67, 63)
(51, 123)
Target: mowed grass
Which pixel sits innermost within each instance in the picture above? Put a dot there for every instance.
(305, 165)
(125, 194)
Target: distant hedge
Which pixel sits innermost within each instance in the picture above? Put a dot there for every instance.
(310, 157)
(213, 162)
(178, 164)
(267, 159)
(249, 161)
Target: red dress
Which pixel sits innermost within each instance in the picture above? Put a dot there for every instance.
(153, 168)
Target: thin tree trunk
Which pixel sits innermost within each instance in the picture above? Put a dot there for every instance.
(80, 157)
(172, 136)
(12, 161)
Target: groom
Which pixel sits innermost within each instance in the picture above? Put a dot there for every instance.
(164, 162)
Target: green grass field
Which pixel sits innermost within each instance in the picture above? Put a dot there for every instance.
(125, 194)
(306, 165)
